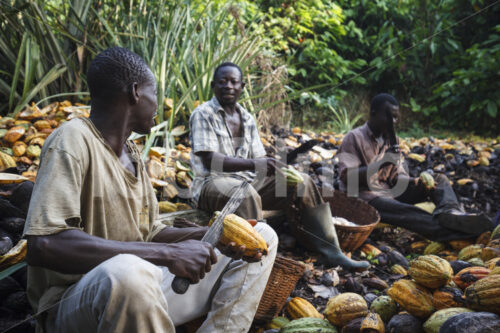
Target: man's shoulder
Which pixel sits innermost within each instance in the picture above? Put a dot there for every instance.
(353, 134)
(205, 109)
(69, 137)
(69, 131)
(357, 131)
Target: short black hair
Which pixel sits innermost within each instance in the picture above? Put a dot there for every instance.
(228, 64)
(113, 70)
(379, 101)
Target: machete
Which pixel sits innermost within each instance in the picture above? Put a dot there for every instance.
(180, 284)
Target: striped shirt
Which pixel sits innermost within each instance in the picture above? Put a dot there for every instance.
(209, 132)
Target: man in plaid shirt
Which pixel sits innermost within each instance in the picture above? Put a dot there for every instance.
(226, 150)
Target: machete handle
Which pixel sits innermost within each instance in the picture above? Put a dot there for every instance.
(180, 285)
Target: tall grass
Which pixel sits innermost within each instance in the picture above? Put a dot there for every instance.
(46, 49)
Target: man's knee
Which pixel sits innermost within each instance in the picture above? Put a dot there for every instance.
(269, 235)
(129, 272)
(441, 178)
(252, 196)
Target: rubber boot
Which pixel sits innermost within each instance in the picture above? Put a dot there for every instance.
(317, 233)
(474, 224)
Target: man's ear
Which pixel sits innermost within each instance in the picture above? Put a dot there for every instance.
(133, 93)
(243, 84)
(212, 84)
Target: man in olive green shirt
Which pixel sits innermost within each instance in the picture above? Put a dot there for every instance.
(99, 261)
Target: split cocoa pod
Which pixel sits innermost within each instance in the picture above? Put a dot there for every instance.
(470, 275)
(239, 231)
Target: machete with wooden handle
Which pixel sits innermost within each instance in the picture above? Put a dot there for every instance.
(392, 133)
(180, 284)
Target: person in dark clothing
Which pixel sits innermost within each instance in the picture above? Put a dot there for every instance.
(370, 169)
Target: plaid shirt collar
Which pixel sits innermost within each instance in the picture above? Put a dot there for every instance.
(245, 116)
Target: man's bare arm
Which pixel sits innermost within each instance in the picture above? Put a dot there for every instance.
(232, 164)
(76, 252)
(229, 164)
(175, 235)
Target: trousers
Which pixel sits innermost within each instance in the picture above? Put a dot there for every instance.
(128, 294)
(269, 194)
(401, 211)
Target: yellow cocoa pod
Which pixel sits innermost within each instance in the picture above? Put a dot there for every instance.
(15, 255)
(427, 180)
(489, 253)
(419, 247)
(415, 299)
(434, 248)
(464, 181)
(495, 270)
(301, 308)
(373, 323)
(183, 179)
(182, 206)
(33, 151)
(37, 141)
(19, 148)
(472, 163)
(484, 161)
(14, 134)
(484, 295)
(241, 232)
(492, 263)
(417, 157)
(42, 124)
(6, 161)
(398, 269)
(469, 252)
(345, 307)
(30, 137)
(430, 271)
(167, 207)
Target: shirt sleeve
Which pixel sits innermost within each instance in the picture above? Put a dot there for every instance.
(55, 202)
(157, 228)
(348, 154)
(202, 133)
(256, 146)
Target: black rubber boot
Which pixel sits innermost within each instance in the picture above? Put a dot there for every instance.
(474, 224)
(317, 233)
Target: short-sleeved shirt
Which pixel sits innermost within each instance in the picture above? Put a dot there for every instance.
(360, 148)
(209, 132)
(81, 184)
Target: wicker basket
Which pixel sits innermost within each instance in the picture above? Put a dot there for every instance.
(354, 210)
(284, 276)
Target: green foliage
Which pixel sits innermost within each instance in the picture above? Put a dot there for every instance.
(181, 43)
(437, 57)
(305, 33)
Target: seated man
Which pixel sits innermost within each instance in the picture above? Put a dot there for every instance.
(367, 165)
(227, 150)
(99, 261)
